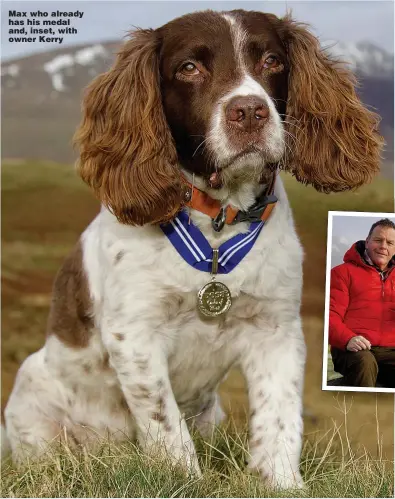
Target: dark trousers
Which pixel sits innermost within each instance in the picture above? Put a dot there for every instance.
(366, 367)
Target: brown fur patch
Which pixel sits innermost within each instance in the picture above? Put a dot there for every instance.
(157, 416)
(119, 336)
(87, 368)
(70, 316)
(124, 404)
(119, 257)
(161, 404)
(106, 361)
(160, 415)
(141, 392)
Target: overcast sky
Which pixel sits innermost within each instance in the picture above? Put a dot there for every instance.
(346, 230)
(103, 20)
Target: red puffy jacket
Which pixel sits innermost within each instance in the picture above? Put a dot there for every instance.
(361, 303)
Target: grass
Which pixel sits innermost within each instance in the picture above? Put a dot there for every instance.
(332, 374)
(44, 209)
(330, 466)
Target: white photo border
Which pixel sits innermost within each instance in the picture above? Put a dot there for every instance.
(325, 386)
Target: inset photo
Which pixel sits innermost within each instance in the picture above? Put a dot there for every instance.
(359, 337)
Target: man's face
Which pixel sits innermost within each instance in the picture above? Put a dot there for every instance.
(381, 246)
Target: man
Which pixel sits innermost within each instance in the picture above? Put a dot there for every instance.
(362, 310)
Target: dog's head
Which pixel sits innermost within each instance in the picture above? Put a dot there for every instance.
(231, 92)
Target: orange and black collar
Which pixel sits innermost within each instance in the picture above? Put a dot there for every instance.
(259, 211)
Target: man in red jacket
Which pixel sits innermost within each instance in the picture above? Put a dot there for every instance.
(362, 310)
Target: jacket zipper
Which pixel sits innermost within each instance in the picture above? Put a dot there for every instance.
(383, 306)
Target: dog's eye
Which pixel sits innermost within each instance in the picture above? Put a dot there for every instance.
(189, 69)
(271, 62)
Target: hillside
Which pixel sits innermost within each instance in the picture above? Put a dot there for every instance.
(42, 96)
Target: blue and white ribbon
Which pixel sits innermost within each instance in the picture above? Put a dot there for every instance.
(194, 248)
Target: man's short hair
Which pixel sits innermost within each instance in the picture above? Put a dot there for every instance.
(385, 222)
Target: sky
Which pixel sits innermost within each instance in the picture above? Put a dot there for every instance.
(346, 230)
(103, 20)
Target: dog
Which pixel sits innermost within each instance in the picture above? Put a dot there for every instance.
(184, 136)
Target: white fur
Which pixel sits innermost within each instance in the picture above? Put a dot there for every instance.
(239, 37)
(171, 353)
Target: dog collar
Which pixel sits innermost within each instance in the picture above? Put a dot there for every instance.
(259, 211)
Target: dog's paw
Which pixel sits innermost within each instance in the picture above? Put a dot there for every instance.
(183, 458)
(294, 481)
(273, 480)
(186, 459)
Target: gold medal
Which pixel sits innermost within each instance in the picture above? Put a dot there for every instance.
(214, 298)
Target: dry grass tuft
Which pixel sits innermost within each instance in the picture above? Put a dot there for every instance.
(330, 466)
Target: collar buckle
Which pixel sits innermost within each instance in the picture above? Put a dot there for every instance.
(254, 214)
(219, 221)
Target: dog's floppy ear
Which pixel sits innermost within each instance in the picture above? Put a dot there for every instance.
(127, 154)
(333, 138)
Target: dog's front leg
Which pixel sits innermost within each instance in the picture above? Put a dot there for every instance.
(273, 364)
(142, 370)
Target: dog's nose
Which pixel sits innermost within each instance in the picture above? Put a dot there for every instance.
(248, 113)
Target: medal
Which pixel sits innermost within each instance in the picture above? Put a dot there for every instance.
(214, 298)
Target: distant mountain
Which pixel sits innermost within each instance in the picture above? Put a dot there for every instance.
(41, 104)
(41, 94)
(374, 68)
(364, 58)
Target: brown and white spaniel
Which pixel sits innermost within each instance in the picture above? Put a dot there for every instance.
(195, 119)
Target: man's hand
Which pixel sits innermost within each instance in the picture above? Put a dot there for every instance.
(358, 343)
